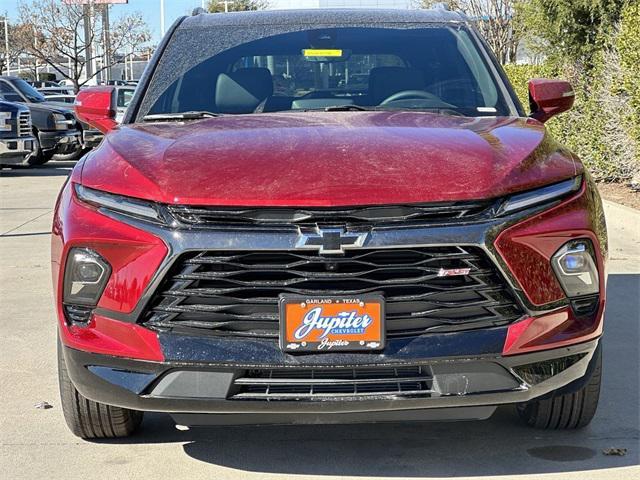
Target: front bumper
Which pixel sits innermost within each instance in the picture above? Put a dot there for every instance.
(474, 385)
(471, 369)
(64, 141)
(91, 138)
(15, 151)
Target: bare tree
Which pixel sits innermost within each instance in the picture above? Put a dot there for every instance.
(220, 6)
(53, 32)
(497, 20)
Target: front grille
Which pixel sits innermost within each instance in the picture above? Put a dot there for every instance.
(24, 124)
(206, 217)
(236, 293)
(327, 383)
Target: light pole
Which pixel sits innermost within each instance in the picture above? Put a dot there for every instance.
(226, 5)
(106, 41)
(88, 40)
(6, 42)
(35, 59)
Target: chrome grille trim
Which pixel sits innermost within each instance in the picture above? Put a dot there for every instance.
(24, 124)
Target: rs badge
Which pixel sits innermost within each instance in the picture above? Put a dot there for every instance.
(453, 272)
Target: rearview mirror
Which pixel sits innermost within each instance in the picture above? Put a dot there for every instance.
(96, 106)
(548, 98)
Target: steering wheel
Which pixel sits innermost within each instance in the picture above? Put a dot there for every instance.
(459, 84)
(408, 95)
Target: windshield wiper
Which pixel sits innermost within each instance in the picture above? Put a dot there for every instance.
(191, 115)
(348, 108)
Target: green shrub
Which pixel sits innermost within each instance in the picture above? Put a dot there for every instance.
(628, 46)
(594, 128)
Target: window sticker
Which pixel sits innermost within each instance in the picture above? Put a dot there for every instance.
(314, 52)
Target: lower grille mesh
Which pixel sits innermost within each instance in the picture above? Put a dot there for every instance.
(319, 384)
(236, 293)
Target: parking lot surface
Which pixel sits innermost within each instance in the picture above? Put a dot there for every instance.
(35, 443)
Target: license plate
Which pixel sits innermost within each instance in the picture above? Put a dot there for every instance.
(328, 324)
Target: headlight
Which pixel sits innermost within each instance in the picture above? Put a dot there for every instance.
(61, 122)
(119, 203)
(5, 121)
(538, 196)
(576, 269)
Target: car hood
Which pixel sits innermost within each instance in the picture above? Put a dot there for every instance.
(52, 107)
(11, 107)
(328, 159)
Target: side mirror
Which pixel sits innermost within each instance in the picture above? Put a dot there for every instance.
(97, 107)
(548, 98)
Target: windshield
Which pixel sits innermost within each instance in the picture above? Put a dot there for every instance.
(31, 94)
(430, 68)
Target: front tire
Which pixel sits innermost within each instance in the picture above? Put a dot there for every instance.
(72, 156)
(566, 411)
(88, 419)
(38, 157)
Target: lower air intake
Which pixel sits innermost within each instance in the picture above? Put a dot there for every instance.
(327, 383)
(535, 373)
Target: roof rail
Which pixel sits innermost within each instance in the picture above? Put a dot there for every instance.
(198, 11)
(440, 6)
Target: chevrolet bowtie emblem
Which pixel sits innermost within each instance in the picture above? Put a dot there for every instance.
(331, 241)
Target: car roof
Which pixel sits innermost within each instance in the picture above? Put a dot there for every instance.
(322, 17)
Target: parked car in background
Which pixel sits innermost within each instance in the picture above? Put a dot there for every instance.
(16, 138)
(115, 82)
(59, 97)
(58, 93)
(123, 96)
(412, 247)
(37, 84)
(54, 126)
(66, 83)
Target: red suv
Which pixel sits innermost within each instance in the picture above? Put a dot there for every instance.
(327, 216)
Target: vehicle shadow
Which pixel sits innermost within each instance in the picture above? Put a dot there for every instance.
(50, 169)
(499, 446)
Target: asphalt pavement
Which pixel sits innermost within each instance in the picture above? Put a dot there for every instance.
(35, 443)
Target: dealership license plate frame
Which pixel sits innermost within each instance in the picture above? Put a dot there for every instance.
(373, 343)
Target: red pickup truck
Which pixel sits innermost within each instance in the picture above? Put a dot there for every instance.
(327, 216)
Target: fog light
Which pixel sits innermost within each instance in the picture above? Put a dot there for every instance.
(573, 263)
(576, 269)
(85, 276)
(89, 272)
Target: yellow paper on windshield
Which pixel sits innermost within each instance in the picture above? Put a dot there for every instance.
(314, 52)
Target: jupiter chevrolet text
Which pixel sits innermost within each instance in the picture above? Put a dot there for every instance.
(327, 216)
